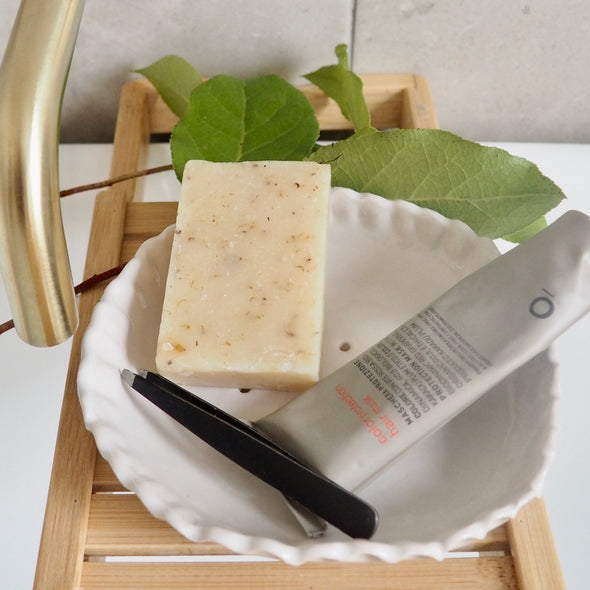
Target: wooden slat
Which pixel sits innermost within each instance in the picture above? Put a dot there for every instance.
(418, 109)
(119, 524)
(495, 540)
(104, 478)
(384, 94)
(145, 220)
(533, 547)
(66, 514)
(132, 136)
(489, 573)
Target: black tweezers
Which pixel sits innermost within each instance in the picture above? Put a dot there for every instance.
(259, 455)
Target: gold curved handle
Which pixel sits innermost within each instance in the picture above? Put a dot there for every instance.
(33, 252)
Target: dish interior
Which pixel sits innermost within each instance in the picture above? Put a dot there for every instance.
(386, 261)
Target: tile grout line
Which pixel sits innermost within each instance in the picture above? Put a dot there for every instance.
(351, 44)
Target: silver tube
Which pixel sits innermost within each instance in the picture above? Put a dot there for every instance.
(33, 252)
(363, 416)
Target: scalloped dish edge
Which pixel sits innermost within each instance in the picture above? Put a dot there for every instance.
(97, 363)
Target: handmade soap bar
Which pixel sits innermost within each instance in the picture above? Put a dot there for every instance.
(245, 290)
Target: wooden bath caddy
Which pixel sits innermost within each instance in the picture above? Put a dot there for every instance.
(88, 520)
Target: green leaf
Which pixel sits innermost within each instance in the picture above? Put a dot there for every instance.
(341, 52)
(232, 120)
(527, 232)
(493, 192)
(346, 88)
(174, 79)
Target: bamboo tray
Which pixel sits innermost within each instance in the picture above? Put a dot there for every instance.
(95, 531)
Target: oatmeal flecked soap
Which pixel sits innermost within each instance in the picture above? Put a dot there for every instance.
(245, 292)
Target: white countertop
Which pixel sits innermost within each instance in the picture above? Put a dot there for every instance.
(32, 380)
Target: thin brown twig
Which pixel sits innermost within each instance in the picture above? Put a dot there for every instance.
(106, 183)
(80, 288)
(98, 278)
(6, 326)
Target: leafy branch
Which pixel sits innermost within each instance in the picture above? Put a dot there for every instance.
(228, 119)
(346, 88)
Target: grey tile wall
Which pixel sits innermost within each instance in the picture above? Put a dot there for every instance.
(507, 70)
(498, 70)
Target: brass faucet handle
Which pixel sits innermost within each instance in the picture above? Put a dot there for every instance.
(33, 252)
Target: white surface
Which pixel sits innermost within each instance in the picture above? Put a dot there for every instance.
(32, 384)
(31, 390)
(387, 260)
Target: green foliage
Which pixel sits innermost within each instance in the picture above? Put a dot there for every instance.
(266, 118)
(346, 88)
(490, 190)
(174, 79)
(231, 120)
